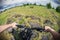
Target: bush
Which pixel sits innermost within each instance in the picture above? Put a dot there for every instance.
(24, 4)
(40, 5)
(58, 9)
(48, 5)
(31, 7)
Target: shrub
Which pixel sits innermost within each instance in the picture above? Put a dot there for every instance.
(58, 9)
(24, 4)
(40, 5)
(31, 7)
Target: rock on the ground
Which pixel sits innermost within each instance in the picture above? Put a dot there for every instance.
(34, 24)
(48, 22)
(44, 37)
(9, 20)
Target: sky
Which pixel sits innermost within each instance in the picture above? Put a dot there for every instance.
(7, 2)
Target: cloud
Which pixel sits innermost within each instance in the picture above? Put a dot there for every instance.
(6, 2)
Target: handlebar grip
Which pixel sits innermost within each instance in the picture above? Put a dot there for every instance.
(38, 29)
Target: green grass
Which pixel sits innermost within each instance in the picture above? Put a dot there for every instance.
(37, 11)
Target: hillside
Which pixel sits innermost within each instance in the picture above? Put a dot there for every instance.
(31, 16)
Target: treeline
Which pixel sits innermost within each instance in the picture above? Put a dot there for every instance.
(47, 5)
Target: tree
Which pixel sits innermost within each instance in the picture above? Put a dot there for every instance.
(34, 4)
(27, 4)
(48, 5)
(58, 9)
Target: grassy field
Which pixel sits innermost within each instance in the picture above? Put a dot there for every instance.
(31, 14)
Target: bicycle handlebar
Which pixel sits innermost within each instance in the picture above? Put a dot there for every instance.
(35, 28)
